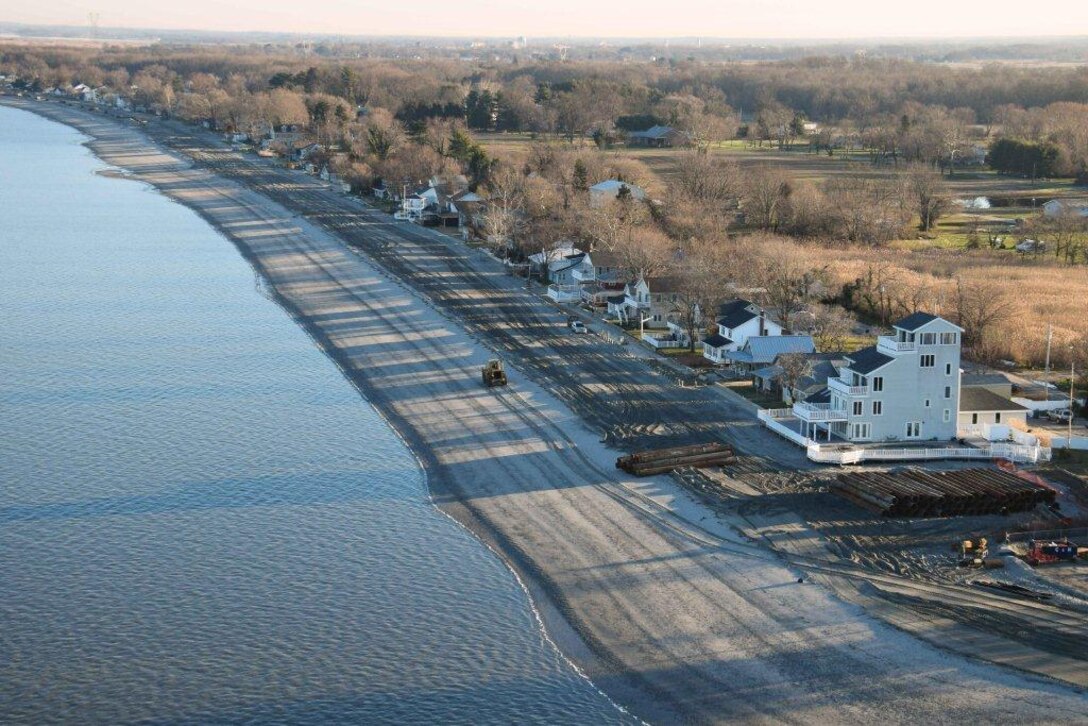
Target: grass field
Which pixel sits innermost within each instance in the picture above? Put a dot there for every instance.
(1011, 197)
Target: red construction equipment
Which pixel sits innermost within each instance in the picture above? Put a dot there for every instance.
(1045, 553)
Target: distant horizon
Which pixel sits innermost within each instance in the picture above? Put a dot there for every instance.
(685, 41)
(692, 21)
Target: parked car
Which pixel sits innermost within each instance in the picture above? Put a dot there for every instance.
(579, 327)
(1063, 415)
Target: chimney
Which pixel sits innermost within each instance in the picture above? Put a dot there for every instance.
(762, 323)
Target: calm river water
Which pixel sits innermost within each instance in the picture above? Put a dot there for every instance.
(200, 519)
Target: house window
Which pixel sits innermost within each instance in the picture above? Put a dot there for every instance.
(878, 408)
(878, 384)
(948, 338)
(928, 360)
(914, 429)
(997, 417)
(948, 391)
(947, 415)
(929, 338)
(974, 418)
(927, 403)
(948, 369)
(858, 408)
(862, 431)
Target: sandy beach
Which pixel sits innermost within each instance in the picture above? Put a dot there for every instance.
(665, 607)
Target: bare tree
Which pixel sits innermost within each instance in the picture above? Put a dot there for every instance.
(702, 285)
(505, 219)
(928, 194)
(766, 195)
(829, 325)
(788, 280)
(980, 307)
(645, 251)
(794, 366)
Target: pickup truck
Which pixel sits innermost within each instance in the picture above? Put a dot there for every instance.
(1063, 415)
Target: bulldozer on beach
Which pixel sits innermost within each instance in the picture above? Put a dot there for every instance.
(494, 374)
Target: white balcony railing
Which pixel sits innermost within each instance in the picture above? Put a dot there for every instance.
(636, 303)
(838, 384)
(583, 275)
(818, 412)
(892, 345)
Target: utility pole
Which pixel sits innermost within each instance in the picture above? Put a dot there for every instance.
(1072, 374)
(1049, 335)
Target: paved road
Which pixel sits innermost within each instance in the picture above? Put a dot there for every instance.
(679, 626)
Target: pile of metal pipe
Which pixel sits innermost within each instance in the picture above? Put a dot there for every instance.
(659, 461)
(920, 493)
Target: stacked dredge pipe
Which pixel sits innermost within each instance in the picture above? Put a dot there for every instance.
(919, 493)
(659, 461)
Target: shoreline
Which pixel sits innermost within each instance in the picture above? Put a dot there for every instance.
(555, 627)
(558, 615)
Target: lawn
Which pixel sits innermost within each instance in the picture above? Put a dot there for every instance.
(759, 398)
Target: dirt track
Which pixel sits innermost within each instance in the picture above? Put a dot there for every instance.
(679, 626)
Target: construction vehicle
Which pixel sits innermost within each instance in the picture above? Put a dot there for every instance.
(494, 374)
(1045, 553)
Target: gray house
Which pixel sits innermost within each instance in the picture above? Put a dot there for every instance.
(904, 388)
(658, 137)
(760, 351)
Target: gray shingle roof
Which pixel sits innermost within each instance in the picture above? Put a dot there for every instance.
(982, 399)
(716, 341)
(984, 379)
(736, 318)
(915, 321)
(867, 360)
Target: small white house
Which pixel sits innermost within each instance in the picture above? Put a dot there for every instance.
(981, 406)
(738, 321)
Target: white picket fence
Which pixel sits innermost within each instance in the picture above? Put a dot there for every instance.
(1020, 451)
(1012, 452)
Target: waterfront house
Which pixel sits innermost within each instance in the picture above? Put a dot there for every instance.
(904, 388)
(738, 320)
(811, 384)
(562, 286)
(760, 351)
(655, 298)
(601, 275)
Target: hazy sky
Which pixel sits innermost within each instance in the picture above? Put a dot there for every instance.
(634, 18)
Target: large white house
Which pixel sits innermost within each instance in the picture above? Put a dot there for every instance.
(738, 321)
(904, 388)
